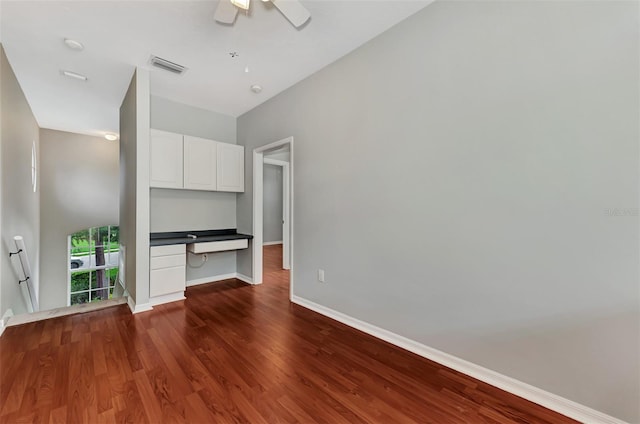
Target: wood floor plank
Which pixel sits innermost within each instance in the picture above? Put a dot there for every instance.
(147, 395)
(233, 353)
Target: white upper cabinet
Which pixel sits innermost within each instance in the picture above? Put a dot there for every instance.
(193, 163)
(200, 163)
(166, 159)
(230, 167)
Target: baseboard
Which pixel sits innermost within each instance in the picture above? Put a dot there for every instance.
(81, 308)
(215, 278)
(2, 326)
(166, 298)
(271, 243)
(541, 397)
(136, 309)
(4, 321)
(244, 278)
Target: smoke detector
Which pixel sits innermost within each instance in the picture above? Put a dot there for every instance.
(167, 65)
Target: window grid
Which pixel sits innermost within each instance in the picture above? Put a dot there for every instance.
(91, 269)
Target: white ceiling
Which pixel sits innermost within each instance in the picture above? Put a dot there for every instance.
(120, 35)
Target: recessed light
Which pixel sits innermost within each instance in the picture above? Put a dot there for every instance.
(246, 69)
(111, 137)
(256, 88)
(74, 75)
(73, 44)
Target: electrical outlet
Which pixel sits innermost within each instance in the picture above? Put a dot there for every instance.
(205, 257)
(321, 275)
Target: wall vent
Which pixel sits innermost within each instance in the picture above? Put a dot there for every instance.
(167, 65)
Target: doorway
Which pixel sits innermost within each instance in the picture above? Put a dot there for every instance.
(270, 258)
(276, 199)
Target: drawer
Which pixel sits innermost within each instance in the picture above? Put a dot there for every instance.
(218, 246)
(159, 262)
(173, 249)
(167, 280)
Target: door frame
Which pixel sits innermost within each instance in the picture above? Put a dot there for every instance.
(286, 238)
(258, 185)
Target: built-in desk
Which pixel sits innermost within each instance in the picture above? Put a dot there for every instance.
(168, 262)
(206, 236)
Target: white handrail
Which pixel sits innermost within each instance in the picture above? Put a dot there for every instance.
(32, 293)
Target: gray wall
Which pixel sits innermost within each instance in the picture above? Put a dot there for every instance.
(79, 183)
(134, 186)
(455, 178)
(185, 210)
(272, 203)
(171, 116)
(20, 205)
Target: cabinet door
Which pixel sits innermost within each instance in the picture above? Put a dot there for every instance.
(199, 163)
(166, 280)
(167, 269)
(230, 167)
(166, 159)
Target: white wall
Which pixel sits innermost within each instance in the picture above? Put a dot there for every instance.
(187, 210)
(272, 203)
(453, 178)
(79, 186)
(20, 205)
(134, 187)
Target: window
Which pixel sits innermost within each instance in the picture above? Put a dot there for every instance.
(93, 264)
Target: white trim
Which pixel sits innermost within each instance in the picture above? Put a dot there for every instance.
(245, 279)
(4, 321)
(165, 298)
(205, 280)
(79, 308)
(275, 162)
(69, 271)
(541, 397)
(136, 309)
(271, 243)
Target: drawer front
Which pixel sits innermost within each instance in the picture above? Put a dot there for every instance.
(218, 246)
(173, 249)
(167, 280)
(159, 262)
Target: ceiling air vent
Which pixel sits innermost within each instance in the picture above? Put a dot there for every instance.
(167, 65)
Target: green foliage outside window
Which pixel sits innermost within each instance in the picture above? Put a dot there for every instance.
(94, 264)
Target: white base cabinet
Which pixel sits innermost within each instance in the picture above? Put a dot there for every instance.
(167, 278)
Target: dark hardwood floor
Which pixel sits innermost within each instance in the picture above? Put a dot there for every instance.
(233, 353)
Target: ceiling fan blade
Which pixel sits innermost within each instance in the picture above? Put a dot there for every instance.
(225, 12)
(295, 12)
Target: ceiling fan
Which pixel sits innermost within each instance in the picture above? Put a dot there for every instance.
(295, 12)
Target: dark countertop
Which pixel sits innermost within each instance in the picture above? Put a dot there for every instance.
(180, 237)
